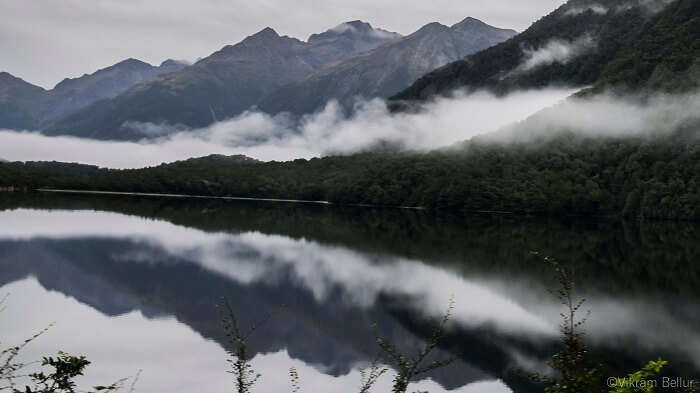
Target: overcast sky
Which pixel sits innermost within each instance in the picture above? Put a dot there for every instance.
(48, 40)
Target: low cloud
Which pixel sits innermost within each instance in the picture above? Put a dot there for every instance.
(265, 137)
(595, 8)
(518, 117)
(652, 6)
(555, 51)
(608, 116)
(375, 32)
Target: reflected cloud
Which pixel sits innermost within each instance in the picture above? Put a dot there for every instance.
(119, 347)
(517, 309)
(258, 135)
(256, 257)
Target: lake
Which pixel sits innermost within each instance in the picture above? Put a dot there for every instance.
(134, 283)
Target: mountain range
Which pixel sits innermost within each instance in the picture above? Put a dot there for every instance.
(387, 69)
(604, 44)
(222, 85)
(275, 73)
(25, 106)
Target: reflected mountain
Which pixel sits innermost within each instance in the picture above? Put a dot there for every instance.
(333, 335)
(337, 270)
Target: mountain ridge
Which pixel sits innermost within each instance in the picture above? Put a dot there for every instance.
(222, 85)
(387, 69)
(36, 107)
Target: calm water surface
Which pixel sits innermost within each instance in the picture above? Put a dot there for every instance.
(133, 283)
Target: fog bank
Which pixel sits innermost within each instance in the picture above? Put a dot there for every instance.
(519, 117)
(265, 137)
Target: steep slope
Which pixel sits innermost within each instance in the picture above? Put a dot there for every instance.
(666, 56)
(571, 46)
(387, 69)
(222, 85)
(16, 102)
(71, 95)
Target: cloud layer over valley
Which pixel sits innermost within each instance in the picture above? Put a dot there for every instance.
(516, 117)
(261, 136)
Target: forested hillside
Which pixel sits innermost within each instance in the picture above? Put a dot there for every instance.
(572, 46)
(652, 177)
(665, 58)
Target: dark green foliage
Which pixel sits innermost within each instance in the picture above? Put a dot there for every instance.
(243, 373)
(574, 374)
(566, 174)
(65, 368)
(666, 57)
(10, 367)
(370, 376)
(409, 367)
(61, 380)
(637, 381)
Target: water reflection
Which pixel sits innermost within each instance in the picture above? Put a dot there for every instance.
(164, 273)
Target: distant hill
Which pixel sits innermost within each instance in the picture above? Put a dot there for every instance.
(71, 95)
(223, 84)
(16, 102)
(387, 69)
(572, 46)
(25, 106)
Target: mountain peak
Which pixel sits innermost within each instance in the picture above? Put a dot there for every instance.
(469, 21)
(266, 33)
(353, 28)
(172, 63)
(354, 25)
(430, 28)
(130, 62)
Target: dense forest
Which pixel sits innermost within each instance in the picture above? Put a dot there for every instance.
(664, 58)
(567, 174)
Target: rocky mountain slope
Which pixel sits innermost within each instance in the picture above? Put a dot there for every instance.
(71, 95)
(222, 85)
(16, 98)
(25, 106)
(387, 69)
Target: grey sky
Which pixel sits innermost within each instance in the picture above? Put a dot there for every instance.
(48, 40)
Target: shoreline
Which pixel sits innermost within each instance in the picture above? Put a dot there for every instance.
(226, 198)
